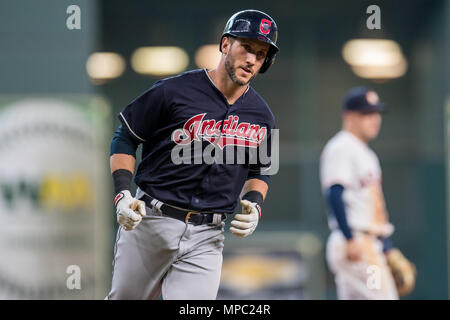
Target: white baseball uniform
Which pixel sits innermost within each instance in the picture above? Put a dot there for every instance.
(348, 161)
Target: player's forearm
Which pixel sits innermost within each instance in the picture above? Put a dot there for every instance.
(255, 185)
(122, 161)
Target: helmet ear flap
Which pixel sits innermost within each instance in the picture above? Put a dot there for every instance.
(220, 43)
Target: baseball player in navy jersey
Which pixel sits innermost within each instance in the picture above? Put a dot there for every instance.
(171, 234)
(359, 250)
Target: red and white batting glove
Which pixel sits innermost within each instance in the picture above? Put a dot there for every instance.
(244, 224)
(129, 210)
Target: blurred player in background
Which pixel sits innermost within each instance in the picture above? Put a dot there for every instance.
(359, 250)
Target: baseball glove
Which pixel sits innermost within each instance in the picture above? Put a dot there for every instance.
(403, 271)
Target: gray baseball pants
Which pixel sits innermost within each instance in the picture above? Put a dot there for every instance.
(168, 257)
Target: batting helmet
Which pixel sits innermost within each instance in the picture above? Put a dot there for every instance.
(257, 25)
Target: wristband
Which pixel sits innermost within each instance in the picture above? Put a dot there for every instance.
(122, 180)
(254, 196)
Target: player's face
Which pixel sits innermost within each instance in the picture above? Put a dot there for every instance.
(244, 58)
(369, 125)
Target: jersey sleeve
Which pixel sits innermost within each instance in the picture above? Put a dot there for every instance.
(336, 168)
(124, 142)
(146, 113)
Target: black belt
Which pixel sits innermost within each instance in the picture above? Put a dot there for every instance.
(194, 217)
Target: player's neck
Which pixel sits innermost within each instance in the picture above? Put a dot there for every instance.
(229, 89)
(356, 134)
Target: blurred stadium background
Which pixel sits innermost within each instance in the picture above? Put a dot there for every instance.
(76, 81)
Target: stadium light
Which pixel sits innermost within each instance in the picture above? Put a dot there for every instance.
(159, 60)
(375, 58)
(103, 66)
(208, 56)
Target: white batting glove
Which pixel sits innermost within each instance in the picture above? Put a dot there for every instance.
(129, 210)
(244, 224)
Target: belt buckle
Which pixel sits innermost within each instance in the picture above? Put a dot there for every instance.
(189, 215)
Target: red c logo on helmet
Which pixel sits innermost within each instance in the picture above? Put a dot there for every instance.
(264, 27)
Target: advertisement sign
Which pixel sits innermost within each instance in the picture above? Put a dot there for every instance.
(54, 225)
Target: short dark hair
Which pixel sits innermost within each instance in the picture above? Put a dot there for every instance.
(232, 39)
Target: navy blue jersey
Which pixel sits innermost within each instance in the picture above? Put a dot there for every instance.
(180, 110)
